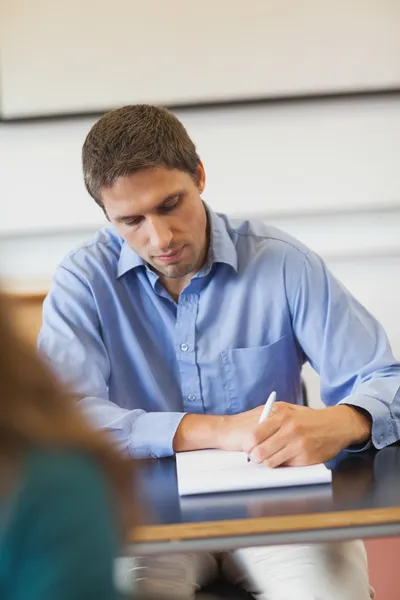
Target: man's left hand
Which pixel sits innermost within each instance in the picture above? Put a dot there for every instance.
(297, 436)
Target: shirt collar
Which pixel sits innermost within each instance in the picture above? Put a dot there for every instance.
(128, 259)
(221, 250)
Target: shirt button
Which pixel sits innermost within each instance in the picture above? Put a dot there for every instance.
(184, 347)
(381, 438)
(191, 397)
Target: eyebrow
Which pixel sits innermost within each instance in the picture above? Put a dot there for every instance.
(126, 218)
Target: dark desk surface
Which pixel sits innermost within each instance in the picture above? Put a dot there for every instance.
(363, 501)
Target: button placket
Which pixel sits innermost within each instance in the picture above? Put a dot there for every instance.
(185, 330)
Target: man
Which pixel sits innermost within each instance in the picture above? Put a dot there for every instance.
(174, 326)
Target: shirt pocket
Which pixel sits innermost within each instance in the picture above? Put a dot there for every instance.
(251, 374)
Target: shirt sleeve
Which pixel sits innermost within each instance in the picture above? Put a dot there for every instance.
(71, 342)
(347, 347)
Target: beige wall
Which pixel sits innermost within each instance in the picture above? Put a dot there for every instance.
(96, 54)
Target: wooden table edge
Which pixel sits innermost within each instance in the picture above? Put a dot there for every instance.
(265, 525)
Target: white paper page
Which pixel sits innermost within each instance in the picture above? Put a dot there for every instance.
(209, 471)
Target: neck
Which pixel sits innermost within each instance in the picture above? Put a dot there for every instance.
(175, 286)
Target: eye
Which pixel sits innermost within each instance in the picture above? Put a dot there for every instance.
(134, 221)
(170, 204)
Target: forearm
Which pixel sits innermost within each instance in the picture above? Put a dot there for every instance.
(198, 432)
(156, 434)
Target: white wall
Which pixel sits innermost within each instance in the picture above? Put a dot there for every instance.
(58, 56)
(276, 159)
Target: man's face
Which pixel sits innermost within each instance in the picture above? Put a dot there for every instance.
(160, 214)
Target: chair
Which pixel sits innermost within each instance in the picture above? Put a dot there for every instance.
(304, 393)
(223, 590)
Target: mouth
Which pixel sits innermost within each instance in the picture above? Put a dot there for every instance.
(171, 256)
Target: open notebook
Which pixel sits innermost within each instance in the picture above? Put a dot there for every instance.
(209, 471)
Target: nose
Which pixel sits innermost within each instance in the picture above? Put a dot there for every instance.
(160, 233)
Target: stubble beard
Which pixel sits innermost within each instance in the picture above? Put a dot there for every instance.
(175, 271)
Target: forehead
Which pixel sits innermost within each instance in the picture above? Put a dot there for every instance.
(146, 188)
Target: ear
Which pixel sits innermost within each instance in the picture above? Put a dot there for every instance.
(201, 177)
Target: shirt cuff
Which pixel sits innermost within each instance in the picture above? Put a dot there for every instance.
(382, 433)
(153, 434)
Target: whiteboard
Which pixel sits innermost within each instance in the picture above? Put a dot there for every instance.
(271, 160)
(91, 55)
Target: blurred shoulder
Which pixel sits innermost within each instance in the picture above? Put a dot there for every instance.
(63, 476)
(99, 254)
(258, 237)
(94, 260)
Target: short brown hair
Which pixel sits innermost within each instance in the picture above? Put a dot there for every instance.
(133, 138)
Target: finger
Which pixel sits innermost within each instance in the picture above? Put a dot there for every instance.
(292, 455)
(261, 432)
(279, 407)
(271, 446)
(280, 413)
(284, 456)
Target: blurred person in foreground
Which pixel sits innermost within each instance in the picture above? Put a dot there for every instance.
(65, 493)
(175, 324)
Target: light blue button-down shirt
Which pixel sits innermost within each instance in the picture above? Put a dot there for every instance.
(261, 307)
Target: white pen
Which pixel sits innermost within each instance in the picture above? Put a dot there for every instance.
(266, 411)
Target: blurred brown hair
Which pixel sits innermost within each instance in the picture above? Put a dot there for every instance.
(133, 138)
(36, 412)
